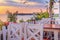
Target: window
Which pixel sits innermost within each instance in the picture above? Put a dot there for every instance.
(48, 35)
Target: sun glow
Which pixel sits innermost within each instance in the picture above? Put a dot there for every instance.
(13, 9)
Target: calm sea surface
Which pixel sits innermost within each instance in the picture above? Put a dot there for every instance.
(3, 17)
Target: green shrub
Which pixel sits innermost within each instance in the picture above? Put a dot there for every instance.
(39, 16)
(1, 24)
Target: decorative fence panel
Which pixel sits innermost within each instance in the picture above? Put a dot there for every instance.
(17, 31)
(3, 33)
(34, 32)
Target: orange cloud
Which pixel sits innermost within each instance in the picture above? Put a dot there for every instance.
(19, 1)
(13, 9)
(32, 3)
(2, 1)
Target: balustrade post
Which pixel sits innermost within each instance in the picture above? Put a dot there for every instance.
(25, 29)
(0, 35)
(55, 35)
(41, 32)
(4, 32)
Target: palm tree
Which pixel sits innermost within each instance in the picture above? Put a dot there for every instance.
(59, 6)
(11, 17)
(50, 10)
(50, 7)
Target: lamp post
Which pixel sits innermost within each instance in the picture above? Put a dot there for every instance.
(50, 11)
(59, 7)
(34, 18)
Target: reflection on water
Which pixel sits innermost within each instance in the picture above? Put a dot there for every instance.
(24, 17)
(3, 17)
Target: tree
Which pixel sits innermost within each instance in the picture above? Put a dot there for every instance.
(50, 11)
(21, 20)
(50, 8)
(11, 17)
(39, 16)
(45, 15)
(1, 24)
(29, 20)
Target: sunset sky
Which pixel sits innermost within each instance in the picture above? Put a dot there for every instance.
(22, 5)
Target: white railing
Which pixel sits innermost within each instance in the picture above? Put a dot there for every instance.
(33, 31)
(0, 34)
(3, 33)
(17, 31)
